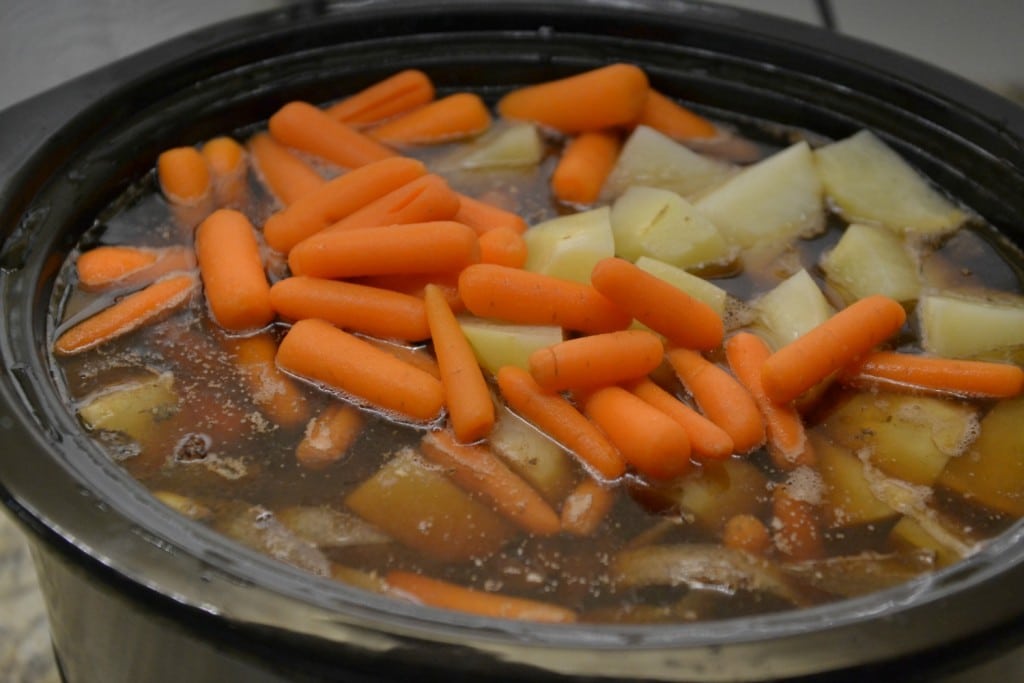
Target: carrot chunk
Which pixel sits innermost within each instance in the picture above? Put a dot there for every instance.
(586, 507)
(503, 246)
(708, 441)
(427, 198)
(184, 176)
(596, 360)
(483, 217)
(273, 391)
(585, 163)
(673, 119)
(329, 435)
(396, 94)
(286, 175)
(450, 118)
(310, 129)
(974, 379)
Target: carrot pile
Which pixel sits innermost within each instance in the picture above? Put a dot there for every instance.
(383, 254)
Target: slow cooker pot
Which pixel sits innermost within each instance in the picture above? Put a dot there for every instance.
(137, 593)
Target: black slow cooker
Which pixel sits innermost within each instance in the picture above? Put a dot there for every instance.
(137, 593)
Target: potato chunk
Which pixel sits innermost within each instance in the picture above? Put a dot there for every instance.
(870, 259)
(133, 408)
(793, 307)
(957, 326)
(569, 246)
(497, 344)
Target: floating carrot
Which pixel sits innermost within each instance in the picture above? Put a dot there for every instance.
(329, 435)
(519, 296)
(103, 266)
(228, 168)
(787, 440)
(318, 351)
(586, 507)
(355, 307)
(666, 309)
(437, 246)
(583, 166)
(708, 441)
(286, 175)
(721, 398)
(973, 379)
(416, 284)
(602, 98)
(811, 358)
(797, 529)
(559, 419)
(470, 407)
(427, 198)
(127, 315)
(450, 118)
(416, 356)
(184, 176)
(478, 470)
(504, 247)
(445, 595)
(674, 120)
(231, 267)
(484, 217)
(397, 94)
(310, 129)
(336, 199)
(596, 360)
(746, 532)
(653, 443)
(273, 391)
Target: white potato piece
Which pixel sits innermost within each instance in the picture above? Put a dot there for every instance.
(508, 146)
(497, 344)
(569, 246)
(133, 408)
(971, 326)
(533, 456)
(792, 308)
(871, 259)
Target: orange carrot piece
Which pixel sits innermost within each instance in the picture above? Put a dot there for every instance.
(559, 419)
(286, 175)
(585, 163)
(329, 435)
(746, 532)
(273, 391)
(184, 176)
(354, 307)
(106, 265)
(811, 358)
(338, 198)
(310, 129)
(433, 247)
(504, 247)
(470, 406)
(673, 119)
(484, 217)
(396, 94)
(971, 379)
(450, 118)
(417, 357)
(708, 441)
(445, 595)
(682, 319)
(231, 268)
(416, 284)
(228, 168)
(318, 351)
(797, 529)
(602, 98)
(478, 470)
(586, 507)
(721, 398)
(127, 315)
(596, 360)
(427, 198)
(520, 296)
(787, 441)
(653, 443)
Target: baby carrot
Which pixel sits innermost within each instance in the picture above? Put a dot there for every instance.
(470, 406)
(286, 176)
(674, 120)
(396, 94)
(433, 247)
(329, 435)
(602, 98)
(354, 307)
(973, 379)
(415, 356)
(708, 441)
(596, 360)
(503, 246)
(787, 440)
(666, 309)
(427, 198)
(483, 217)
(585, 163)
(746, 532)
(649, 440)
(102, 266)
(555, 416)
(127, 315)
(811, 358)
(336, 199)
(519, 296)
(310, 129)
(273, 391)
(450, 118)
(416, 284)
(231, 268)
(721, 398)
(318, 351)
(476, 469)
(228, 167)
(184, 176)
(586, 507)
(797, 529)
(445, 595)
